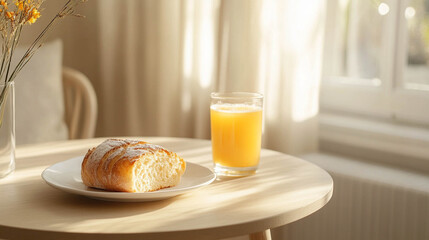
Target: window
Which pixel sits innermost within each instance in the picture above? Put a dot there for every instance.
(377, 59)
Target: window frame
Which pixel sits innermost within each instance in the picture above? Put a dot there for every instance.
(390, 100)
(408, 105)
(386, 122)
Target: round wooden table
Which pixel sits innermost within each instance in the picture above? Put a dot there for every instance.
(283, 190)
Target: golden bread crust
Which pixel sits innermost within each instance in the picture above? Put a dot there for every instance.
(112, 164)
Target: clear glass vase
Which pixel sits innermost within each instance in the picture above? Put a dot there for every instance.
(7, 129)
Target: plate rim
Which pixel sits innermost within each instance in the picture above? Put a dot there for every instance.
(124, 196)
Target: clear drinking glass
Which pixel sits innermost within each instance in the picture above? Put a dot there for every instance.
(7, 128)
(236, 129)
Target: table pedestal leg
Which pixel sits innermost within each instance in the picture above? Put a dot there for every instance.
(265, 235)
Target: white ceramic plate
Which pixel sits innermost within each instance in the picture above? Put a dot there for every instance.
(66, 177)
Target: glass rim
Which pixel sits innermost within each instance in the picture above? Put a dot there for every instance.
(236, 95)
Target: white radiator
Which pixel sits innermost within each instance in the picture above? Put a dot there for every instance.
(369, 202)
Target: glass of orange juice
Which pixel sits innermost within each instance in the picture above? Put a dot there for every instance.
(236, 129)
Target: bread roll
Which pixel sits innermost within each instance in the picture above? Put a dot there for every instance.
(131, 166)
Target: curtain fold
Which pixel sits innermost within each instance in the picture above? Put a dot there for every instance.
(157, 59)
(275, 48)
(154, 64)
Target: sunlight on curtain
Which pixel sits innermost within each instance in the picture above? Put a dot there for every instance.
(275, 47)
(305, 39)
(157, 62)
(158, 66)
(188, 48)
(188, 52)
(207, 41)
(269, 59)
(199, 65)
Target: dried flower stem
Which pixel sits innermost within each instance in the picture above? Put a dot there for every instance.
(67, 10)
(11, 23)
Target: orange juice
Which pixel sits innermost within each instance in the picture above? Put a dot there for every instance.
(236, 135)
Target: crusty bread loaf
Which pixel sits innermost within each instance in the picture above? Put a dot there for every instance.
(131, 166)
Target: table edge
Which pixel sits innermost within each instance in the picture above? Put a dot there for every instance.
(11, 232)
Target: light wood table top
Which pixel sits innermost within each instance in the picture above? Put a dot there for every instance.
(283, 190)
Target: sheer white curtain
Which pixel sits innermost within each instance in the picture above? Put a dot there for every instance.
(158, 61)
(154, 63)
(275, 47)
